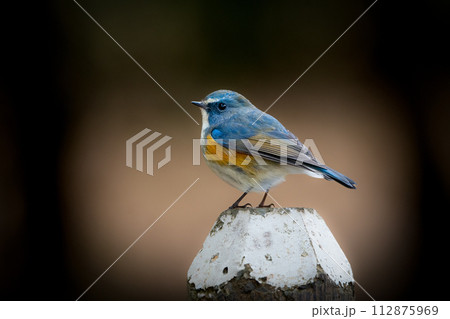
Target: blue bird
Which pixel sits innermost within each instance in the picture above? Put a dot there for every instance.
(251, 150)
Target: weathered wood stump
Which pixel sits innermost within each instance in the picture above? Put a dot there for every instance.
(270, 254)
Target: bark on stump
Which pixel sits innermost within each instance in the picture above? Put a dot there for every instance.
(270, 254)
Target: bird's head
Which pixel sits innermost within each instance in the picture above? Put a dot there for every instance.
(222, 105)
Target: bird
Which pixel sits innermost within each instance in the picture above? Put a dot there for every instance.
(251, 150)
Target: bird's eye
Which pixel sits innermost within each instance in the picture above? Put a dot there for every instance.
(222, 106)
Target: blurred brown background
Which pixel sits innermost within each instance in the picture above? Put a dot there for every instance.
(376, 105)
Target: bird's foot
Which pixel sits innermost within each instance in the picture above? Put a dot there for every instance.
(240, 206)
(266, 206)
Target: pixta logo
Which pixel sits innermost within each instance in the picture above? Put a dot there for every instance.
(150, 144)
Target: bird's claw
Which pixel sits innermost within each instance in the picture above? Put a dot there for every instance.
(266, 206)
(241, 206)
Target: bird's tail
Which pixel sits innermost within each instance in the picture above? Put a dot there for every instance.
(330, 173)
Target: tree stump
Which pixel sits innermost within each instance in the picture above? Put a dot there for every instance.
(270, 254)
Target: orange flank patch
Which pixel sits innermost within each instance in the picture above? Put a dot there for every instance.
(223, 156)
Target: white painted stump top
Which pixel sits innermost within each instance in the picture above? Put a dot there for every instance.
(284, 247)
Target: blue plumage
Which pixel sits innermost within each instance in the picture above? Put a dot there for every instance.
(231, 121)
(334, 175)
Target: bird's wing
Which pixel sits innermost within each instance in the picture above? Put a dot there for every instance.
(266, 138)
(270, 140)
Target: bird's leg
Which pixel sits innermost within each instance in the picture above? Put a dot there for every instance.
(263, 200)
(236, 203)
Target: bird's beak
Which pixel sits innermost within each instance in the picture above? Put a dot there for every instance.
(200, 104)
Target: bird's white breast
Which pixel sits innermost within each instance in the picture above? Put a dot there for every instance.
(205, 123)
